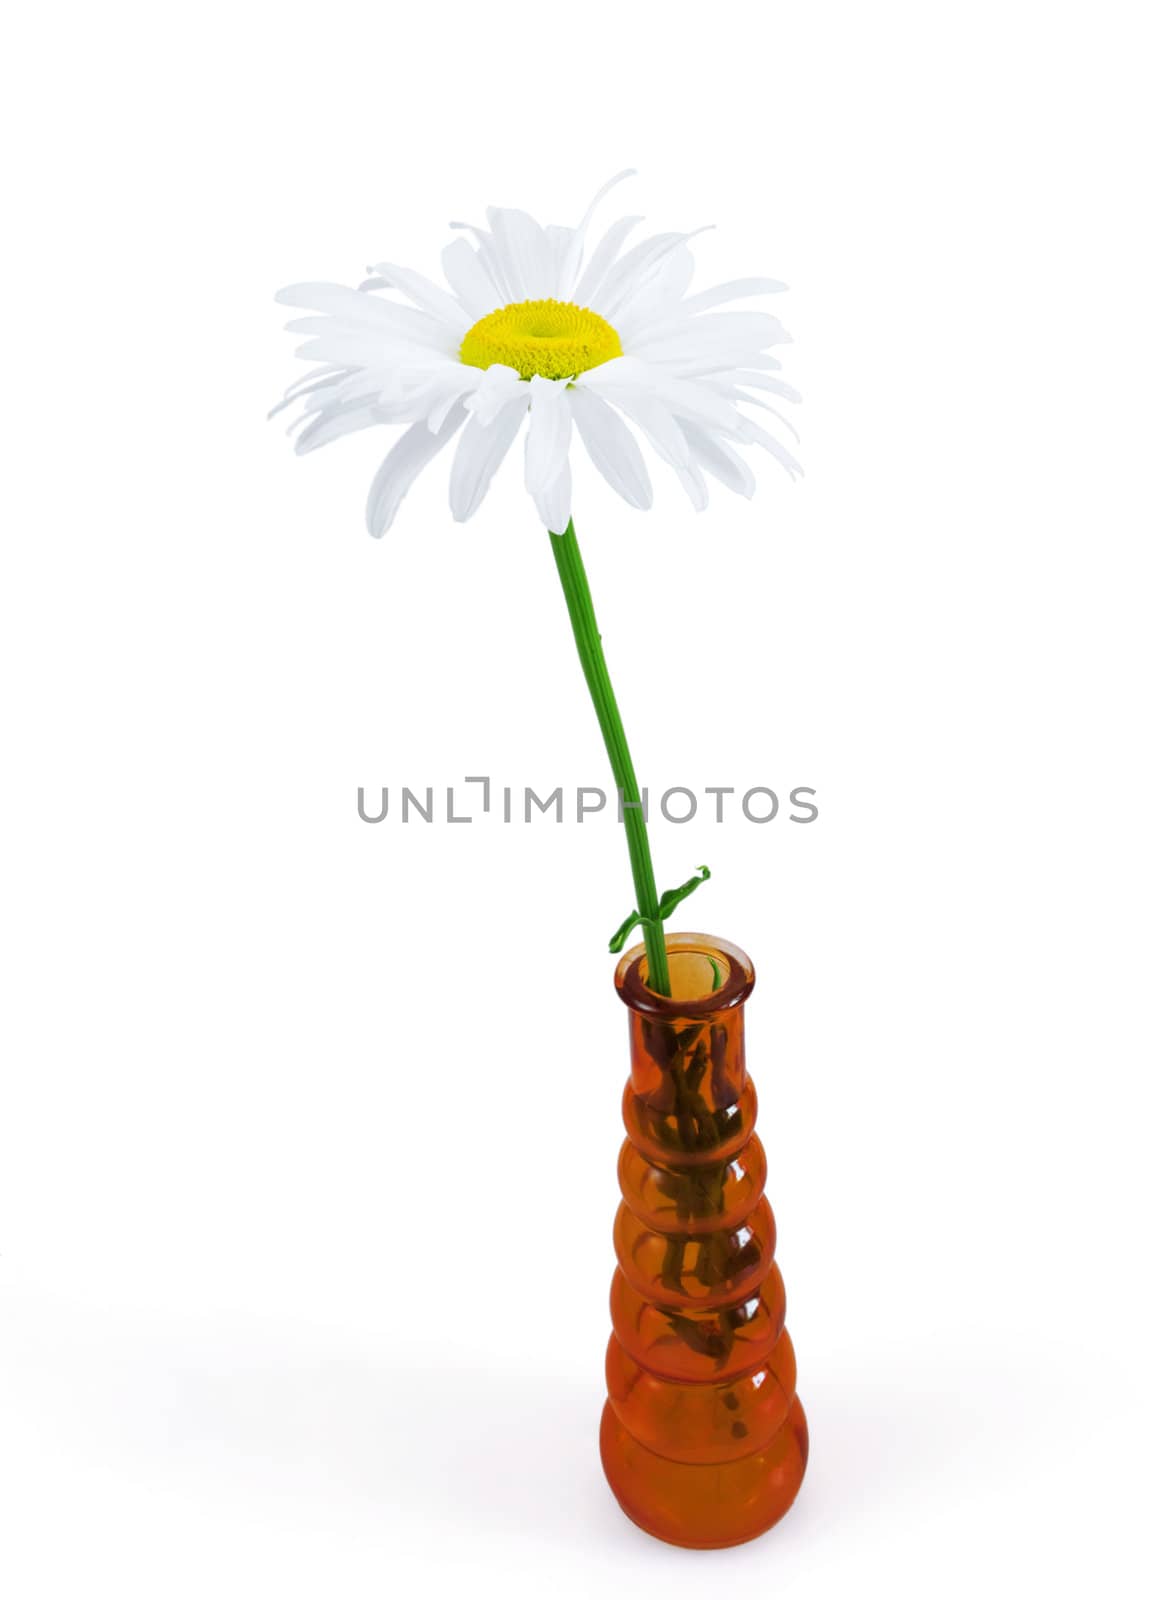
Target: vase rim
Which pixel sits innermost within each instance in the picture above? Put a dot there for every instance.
(731, 963)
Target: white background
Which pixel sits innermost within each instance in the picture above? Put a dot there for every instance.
(308, 1126)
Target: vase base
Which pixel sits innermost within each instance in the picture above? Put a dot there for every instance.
(704, 1507)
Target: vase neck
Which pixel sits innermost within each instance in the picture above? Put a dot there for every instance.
(688, 1049)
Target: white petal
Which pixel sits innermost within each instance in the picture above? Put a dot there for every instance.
(560, 242)
(355, 347)
(630, 384)
(612, 447)
(572, 258)
(469, 279)
(735, 362)
(314, 381)
(758, 380)
(549, 436)
(660, 299)
(523, 252)
(479, 454)
(416, 447)
(719, 458)
(362, 388)
(446, 390)
(602, 258)
(658, 425)
(728, 389)
(355, 309)
(751, 432)
(418, 288)
(694, 485)
(627, 272)
(739, 289)
(743, 397)
(686, 397)
(335, 425)
(488, 256)
(406, 409)
(604, 190)
(631, 375)
(633, 270)
(675, 274)
(554, 503)
(310, 380)
(654, 419)
(719, 329)
(372, 344)
(413, 369)
(497, 387)
(620, 372)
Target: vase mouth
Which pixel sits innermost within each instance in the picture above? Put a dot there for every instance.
(707, 975)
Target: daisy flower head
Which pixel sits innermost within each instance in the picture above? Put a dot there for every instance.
(533, 329)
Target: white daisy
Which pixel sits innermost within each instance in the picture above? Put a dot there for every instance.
(531, 329)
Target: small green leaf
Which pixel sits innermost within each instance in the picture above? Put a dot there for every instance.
(617, 941)
(671, 899)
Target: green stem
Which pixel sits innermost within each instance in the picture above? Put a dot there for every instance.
(574, 579)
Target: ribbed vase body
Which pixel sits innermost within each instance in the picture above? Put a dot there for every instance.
(703, 1439)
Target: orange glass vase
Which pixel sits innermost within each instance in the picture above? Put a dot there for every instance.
(703, 1438)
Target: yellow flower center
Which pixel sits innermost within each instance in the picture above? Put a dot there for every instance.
(550, 337)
